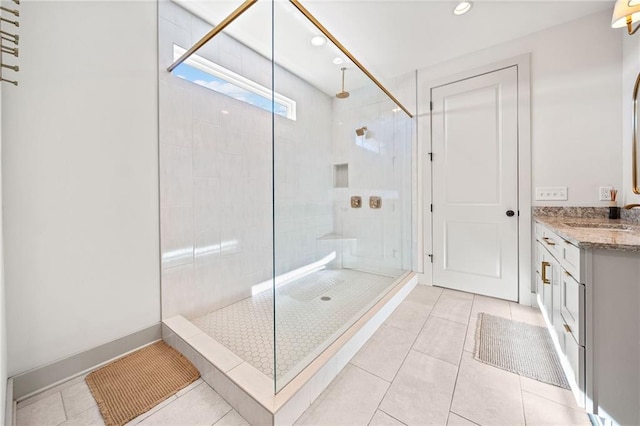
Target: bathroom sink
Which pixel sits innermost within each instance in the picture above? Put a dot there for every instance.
(602, 226)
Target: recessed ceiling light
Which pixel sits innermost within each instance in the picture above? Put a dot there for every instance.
(318, 40)
(338, 60)
(462, 8)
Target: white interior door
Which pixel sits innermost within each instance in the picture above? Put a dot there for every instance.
(475, 184)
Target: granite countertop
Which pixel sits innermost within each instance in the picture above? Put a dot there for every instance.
(600, 233)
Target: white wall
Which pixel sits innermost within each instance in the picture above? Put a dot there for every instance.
(80, 179)
(575, 109)
(3, 323)
(630, 69)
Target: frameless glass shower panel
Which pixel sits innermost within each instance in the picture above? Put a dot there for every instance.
(216, 175)
(342, 193)
(285, 182)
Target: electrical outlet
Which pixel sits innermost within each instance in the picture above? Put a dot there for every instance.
(605, 193)
(557, 193)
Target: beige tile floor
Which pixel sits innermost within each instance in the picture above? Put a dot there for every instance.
(418, 369)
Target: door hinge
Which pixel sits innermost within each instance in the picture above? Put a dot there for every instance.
(431, 156)
(430, 257)
(431, 208)
(430, 105)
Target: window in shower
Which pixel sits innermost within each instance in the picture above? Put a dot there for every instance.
(208, 74)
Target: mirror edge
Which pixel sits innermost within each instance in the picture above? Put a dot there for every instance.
(634, 144)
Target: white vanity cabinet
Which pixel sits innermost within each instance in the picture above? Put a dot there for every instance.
(559, 297)
(589, 294)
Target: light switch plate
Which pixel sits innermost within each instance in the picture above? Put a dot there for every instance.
(556, 193)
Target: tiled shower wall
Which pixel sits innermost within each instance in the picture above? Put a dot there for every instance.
(216, 176)
(379, 165)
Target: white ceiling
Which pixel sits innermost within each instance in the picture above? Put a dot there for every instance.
(390, 37)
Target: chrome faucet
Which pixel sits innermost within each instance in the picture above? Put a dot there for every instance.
(630, 206)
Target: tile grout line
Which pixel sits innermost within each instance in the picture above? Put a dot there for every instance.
(463, 341)
(454, 295)
(455, 383)
(382, 411)
(369, 372)
(398, 328)
(64, 408)
(524, 414)
(225, 414)
(189, 391)
(440, 359)
(549, 400)
(39, 395)
(84, 411)
(408, 352)
(471, 421)
(220, 419)
(153, 410)
(385, 392)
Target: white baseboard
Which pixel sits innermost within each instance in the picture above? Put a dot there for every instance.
(47, 376)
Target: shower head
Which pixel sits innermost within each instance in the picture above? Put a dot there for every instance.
(342, 94)
(361, 131)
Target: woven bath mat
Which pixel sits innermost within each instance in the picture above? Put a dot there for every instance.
(521, 348)
(134, 384)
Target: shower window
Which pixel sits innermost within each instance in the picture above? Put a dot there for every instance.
(212, 76)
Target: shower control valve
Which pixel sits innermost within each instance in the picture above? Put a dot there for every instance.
(375, 202)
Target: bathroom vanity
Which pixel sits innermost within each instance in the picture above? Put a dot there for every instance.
(588, 288)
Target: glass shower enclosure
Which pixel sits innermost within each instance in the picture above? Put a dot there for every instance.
(286, 173)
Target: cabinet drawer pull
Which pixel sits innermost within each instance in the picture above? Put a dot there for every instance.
(567, 328)
(549, 241)
(545, 280)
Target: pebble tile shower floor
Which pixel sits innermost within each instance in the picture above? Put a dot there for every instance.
(304, 319)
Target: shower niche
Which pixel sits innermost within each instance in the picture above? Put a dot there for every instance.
(341, 175)
(270, 279)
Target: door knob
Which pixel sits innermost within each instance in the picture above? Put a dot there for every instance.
(510, 213)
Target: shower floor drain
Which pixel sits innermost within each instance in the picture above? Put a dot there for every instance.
(325, 298)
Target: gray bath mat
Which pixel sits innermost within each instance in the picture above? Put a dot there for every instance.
(521, 348)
